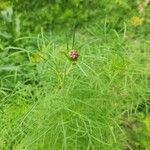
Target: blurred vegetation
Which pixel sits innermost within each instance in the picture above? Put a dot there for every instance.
(30, 16)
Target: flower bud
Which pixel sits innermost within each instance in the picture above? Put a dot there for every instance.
(73, 55)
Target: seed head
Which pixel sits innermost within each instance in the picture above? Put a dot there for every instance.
(73, 55)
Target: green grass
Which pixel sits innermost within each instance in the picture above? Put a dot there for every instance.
(53, 104)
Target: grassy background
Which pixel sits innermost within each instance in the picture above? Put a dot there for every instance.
(49, 103)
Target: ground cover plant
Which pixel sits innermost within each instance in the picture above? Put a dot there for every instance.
(74, 79)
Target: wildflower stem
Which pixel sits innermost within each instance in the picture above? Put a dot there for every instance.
(68, 70)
